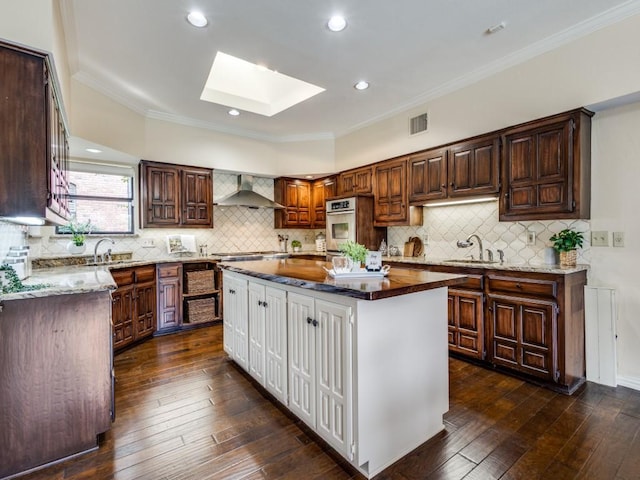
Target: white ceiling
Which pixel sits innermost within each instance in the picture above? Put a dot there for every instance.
(144, 54)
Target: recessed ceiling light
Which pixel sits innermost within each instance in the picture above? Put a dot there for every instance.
(337, 23)
(233, 112)
(308, 177)
(93, 150)
(197, 19)
(361, 85)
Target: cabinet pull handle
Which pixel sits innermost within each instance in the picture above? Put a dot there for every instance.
(315, 323)
(259, 303)
(311, 321)
(264, 304)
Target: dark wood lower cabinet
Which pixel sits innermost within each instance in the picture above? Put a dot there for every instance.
(169, 296)
(466, 323)
(134, 305)
(529, 324)
(523, 335)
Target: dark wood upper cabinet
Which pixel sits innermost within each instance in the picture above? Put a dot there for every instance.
(357, 180)
(175, 196)
(469, 168)
(473, 167)
(295, 195)
(391, 200)
(428, 175)
(33, 137)
(546, 168)
(321, 190)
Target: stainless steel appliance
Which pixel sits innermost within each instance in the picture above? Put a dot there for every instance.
(351, 218)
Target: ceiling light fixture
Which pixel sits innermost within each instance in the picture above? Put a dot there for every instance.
(496, 28)
(234, 113)
(197, 19)
(93, 150)
(361, 85)
(337, 23)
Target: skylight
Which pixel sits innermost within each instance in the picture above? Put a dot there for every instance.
(240, 84)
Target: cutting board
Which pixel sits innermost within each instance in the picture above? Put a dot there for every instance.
(408, 249)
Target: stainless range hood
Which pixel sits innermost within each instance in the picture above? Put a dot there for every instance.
(246, 197)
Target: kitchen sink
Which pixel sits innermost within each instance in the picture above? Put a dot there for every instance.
(470, 260)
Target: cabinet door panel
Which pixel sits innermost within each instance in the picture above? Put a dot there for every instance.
(241, 324)
(302, 354)
(466, 322)
(257, 319)
(169, 303)
(275, 343)
(428, 171)
(391, 196)
(161, 196)
(333, 365)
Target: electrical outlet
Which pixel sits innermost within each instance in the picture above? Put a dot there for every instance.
(618, 239)
(531, 237)
(425, 239)
(600, 238)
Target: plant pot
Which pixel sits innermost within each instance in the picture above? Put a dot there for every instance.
(74, 249)
(297, 249)
(568, 259)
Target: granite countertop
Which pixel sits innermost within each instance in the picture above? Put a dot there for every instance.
(310, 275)
(65, 281)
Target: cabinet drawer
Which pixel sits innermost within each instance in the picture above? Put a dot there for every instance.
(145, 274)
(473, 282)
(168, 271)
(523, 286)
(123, 276)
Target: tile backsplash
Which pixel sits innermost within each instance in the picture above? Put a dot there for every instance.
(444, 226)
(241, 229)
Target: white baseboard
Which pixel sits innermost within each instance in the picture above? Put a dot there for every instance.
(630, 382)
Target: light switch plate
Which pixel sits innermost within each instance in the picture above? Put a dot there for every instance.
(531, 237)
(600, 238)
(618, 239)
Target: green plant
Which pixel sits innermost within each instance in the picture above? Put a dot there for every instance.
(296, 243)
(567, 240)
(12, 284)
(78, 230)
(355, 251)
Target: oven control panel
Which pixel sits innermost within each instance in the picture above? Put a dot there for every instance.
(342, 205)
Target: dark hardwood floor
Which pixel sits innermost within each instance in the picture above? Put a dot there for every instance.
(185, 412)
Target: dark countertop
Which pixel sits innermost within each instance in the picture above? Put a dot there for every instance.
(310, 275)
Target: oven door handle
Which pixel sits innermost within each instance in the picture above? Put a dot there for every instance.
(341, 213)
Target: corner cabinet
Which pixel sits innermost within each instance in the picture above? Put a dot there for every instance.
(174, 196)
(33, 137)
(546, 168)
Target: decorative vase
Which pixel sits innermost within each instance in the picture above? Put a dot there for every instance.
(74, 249)
(568, 259)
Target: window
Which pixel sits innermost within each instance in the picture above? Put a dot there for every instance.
(106, 199)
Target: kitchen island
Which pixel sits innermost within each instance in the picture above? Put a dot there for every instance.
(362, 361)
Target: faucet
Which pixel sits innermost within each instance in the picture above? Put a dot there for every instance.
(95, 250)
(467, 243)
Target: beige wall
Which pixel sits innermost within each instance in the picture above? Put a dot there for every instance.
(615, 203)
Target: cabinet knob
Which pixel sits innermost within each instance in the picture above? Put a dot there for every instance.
(444, 185)
(259, 303)
(518, 286)
(264, 304)
(452, 184)
(311, 321)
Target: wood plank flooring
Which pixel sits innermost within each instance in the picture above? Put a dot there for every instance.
(185, 412)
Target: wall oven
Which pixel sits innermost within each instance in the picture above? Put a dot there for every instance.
(351, 218)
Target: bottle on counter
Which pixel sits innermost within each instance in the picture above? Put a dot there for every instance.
(383, 248)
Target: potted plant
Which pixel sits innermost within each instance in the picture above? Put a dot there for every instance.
(296, 245)
(78, 231)
(566, 242)
(355, 251)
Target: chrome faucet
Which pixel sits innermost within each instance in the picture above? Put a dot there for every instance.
(467, 243)
(95, 250)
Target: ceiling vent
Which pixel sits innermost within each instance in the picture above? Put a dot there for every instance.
(419, 124)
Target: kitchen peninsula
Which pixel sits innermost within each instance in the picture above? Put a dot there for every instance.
(362, 361)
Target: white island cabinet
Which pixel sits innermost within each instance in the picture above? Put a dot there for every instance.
(370, 377)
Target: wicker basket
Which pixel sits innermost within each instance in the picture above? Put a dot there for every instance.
(568, 259)
(199, 281)
(201, 310)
